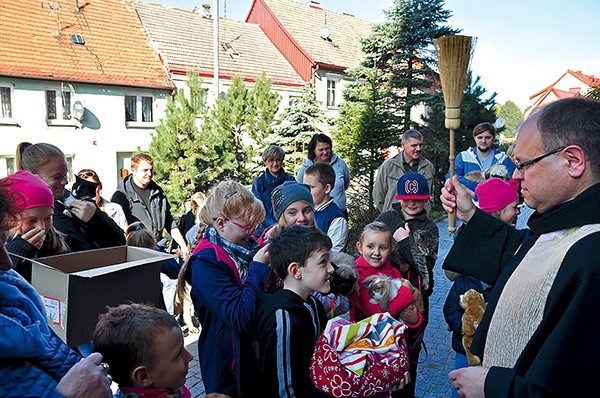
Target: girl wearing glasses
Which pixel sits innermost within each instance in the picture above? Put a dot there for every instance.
(227, 271)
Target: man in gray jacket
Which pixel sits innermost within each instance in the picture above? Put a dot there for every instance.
(407, 161)
(143, 200)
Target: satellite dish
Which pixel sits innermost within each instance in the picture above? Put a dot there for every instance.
(499, 123)
(325, 32)
(77, 109)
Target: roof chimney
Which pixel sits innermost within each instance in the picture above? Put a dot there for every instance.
(205, 10)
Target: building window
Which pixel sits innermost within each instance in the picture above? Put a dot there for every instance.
(331, 93)
(58, 105)
(5, 103)
(7, 165)
(139, 108)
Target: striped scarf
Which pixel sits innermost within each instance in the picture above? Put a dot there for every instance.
(241, 255)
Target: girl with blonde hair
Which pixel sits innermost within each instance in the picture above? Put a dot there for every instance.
(227, 272)
(85, 227)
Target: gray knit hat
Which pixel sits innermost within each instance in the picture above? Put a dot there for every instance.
(288, 193)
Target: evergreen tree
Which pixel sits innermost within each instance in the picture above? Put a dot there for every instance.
(260, 117)
(512, 115)
(174, 146)
(229, 119)
(402, 48)
(366, 127)
(243, 118)
(298, 124)
(593, 92)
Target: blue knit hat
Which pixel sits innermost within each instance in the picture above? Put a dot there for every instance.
(412, 186)
(288, 193)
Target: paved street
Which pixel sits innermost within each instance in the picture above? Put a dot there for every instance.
(432, 381)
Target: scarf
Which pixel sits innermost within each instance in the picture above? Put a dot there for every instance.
(241, 255)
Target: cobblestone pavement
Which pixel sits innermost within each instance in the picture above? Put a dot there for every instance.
(432, 379)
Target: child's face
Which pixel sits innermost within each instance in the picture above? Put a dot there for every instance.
(375, 248)
(319, 192)
(171, 366)
(412, 207)
(316, 271)
(509, 213)
(236, 231)
(54, 173)
(299, 213)
(35, 217)
(274, 165)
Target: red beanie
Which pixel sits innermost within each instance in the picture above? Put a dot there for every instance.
(495, 194)
(30, 190)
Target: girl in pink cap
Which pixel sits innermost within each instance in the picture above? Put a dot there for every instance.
(31, 232)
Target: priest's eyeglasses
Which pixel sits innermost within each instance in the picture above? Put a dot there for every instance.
(521, 166)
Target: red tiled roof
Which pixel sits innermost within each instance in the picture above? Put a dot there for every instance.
(184, 40)
(35, 42)
(587, 79)
(304, 22)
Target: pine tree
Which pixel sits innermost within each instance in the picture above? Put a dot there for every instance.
(260, 117)
(366, 127)
(298, 124)
(242, 119)
(402, 48)
(175, 142)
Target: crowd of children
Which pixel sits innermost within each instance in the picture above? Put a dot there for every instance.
(261, 280)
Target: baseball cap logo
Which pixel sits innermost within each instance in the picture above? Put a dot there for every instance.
(411, 186)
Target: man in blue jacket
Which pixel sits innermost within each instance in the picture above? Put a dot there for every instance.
(480, 157)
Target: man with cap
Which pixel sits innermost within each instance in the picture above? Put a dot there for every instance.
(480, 157)
(31, 233)
(415, 240)
(406, 161)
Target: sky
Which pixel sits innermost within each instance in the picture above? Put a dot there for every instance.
(522, 46)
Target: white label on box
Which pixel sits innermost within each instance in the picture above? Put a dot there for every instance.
(53, 310)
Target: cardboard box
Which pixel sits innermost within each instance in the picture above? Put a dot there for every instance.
(77, 287)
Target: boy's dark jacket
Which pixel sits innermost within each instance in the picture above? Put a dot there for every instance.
(288, 328)
(394, 219)
(561, 358)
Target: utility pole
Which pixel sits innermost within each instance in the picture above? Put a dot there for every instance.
(216, 49)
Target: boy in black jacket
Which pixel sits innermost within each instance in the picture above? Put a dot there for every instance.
(290, 320)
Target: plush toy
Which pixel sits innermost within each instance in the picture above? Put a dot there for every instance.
(474, 305)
